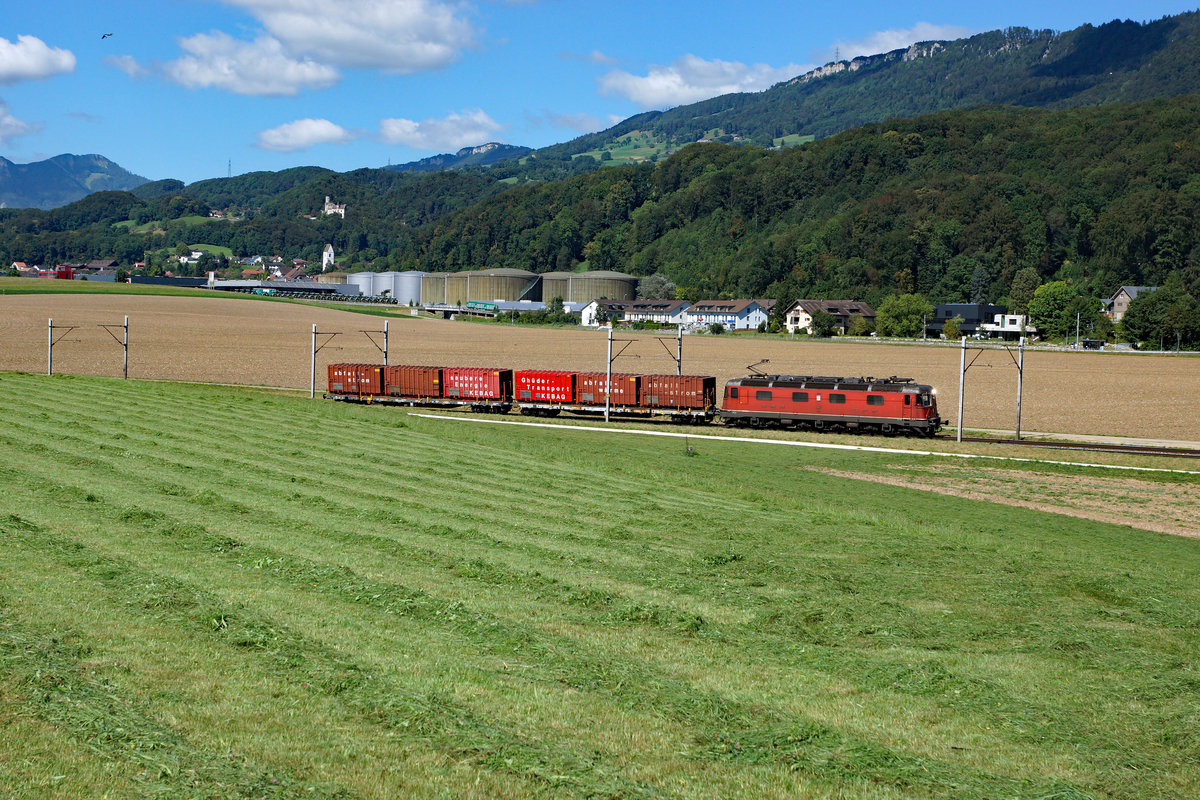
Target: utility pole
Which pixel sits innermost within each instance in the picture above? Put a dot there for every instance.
(1020, 377)
(608, 375)
(679, 352)
(962, 377)
(124, 342)
(312, 392)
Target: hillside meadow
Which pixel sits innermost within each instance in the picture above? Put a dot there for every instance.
(266, 342)
(220, 592)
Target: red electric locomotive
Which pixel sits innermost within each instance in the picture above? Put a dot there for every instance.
(884, 405)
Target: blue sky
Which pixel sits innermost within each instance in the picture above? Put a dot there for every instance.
(189, 89)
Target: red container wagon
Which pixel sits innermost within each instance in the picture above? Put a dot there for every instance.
(689, 393)
(625, 389)
(551, 387)
(884, 405)
(481, 388)
(356, 379)
(419, 383)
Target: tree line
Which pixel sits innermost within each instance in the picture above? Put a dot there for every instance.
(984, 205)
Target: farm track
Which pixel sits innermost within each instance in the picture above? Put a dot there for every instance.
(1093, 447)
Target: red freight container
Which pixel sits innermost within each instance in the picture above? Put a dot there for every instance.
(589, 388)
(406, 381)
(691, 392)
(544, 386)
(477, 383)
(357, 379)
(337, 378)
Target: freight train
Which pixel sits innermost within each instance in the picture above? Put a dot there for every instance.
(868, 405)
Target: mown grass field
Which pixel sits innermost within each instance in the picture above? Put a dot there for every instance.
(213, 592)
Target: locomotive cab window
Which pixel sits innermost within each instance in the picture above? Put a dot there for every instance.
(924, 399)
(762, 394)
(799, 397)
(874, 399)
(837, 398)
(733, 392)
(908, 399)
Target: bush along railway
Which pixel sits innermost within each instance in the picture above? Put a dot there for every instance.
(859, 405)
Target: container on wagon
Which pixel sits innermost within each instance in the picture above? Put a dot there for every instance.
(360, 379)
(544, 386)
(477, 383)
(408, 381)
(692, 392)
(625, 390)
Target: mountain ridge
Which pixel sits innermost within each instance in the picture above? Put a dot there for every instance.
(1118, 61)
(63, 179)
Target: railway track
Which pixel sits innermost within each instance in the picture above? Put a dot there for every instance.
(1095, 447)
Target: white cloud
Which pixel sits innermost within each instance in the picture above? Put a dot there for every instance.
(259, 68)
(894, 39)
(29, 58)
(391, 35)
(690, 79)
(302, 134)
(11, 127)
(128, 65)
(452, 132)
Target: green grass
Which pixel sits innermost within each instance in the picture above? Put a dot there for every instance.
(793, 139)
(47, 286)
(212, 592)
(215, 249)
(632, 148)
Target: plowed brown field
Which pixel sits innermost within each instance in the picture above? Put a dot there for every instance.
(243, 341)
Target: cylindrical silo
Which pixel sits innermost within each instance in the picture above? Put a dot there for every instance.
(489, 285)
(365, 281)
(407, 287)
(584, 287)
(435, 288)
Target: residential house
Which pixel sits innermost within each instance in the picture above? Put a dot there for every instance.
(1007, 326)
(1116, 306)
(97, 269)
(800, 314)
(736, 315)
(972, 314)
(606, 310)
(663, 312)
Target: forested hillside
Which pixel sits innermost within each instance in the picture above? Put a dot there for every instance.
(1118, 62)
(952, 205)
(1105, 197)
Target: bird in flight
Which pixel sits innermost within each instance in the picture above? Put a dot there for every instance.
(105, 36)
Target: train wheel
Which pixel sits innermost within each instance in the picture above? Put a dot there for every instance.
(886, 429)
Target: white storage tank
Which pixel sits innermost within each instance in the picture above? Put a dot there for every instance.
(365, 281)
(406, 287)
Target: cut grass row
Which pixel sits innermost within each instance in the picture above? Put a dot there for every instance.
(265, 594)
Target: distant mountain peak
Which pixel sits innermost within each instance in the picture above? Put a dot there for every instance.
(61, 180)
